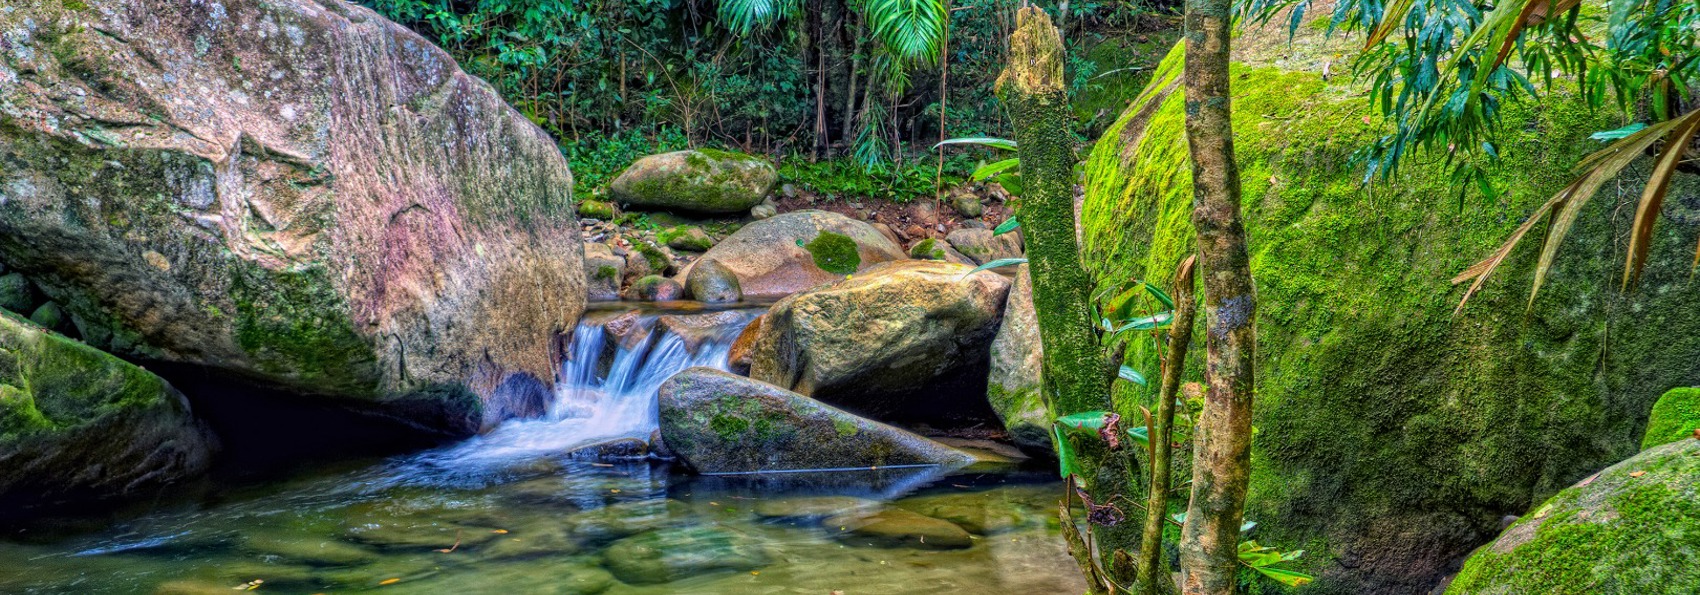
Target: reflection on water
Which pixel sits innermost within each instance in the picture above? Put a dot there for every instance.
(568, 526)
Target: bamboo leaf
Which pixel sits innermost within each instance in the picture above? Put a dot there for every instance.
(1291, 578)
(1131, 375)
(1390, 20)
(1157, 292)
(1007, 226)
(1618, 133)
(994, 168)
(1158, 320)
(999, 263)
(1085, 420)
(1653, 196)
(990, 141)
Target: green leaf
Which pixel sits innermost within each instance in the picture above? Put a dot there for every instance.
(912, 29)
(1085, 420)
(1618, 133)
(1156, 292)
(994, 168)
(1158, 320)
(1179, 517)
(1140, 434)
(1066, 465)
(990, 141)
(1289, 578)
(1001, 262)
(1011, 183)
(1131, 375)
(1007, 226)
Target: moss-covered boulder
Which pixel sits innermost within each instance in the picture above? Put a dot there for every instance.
(720, 423)
(936, 249)
(596, 209)
(1632, 529)
(699, 181)
(1017, 357)
(899, 340)
(689, 238)
(655, 288)
(300, 194)
(77, 423)
(1676, 416)
(1393, 435)
(772, 260)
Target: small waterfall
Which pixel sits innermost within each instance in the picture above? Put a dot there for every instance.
(608, 384)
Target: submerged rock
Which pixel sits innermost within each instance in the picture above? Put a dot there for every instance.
(770, 261)
(702, 181)
(720, 423)
(709, 281)
(811, 508)
(668, 555)
(76, 423)
(1016, 355)
(896, 527)
(887, 341)
(299, 194)
(1632, 529)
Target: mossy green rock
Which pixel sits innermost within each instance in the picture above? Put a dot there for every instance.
(77, 423)
(307, 197)
(934, 249)
(1632, 529)
(1017, 357)
(771, 259)
(655, 288)
(668, 555)
(1392, 434)
(686, 237)
(51, 317)
(1676, 416)
(983, 245)
(701, 181)
(720, 423)
(596, 209)
(893, 340)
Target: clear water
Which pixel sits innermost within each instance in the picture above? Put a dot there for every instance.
(515, 512)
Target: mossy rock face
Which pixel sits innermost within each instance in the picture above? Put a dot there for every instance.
(78, 423)
(1392, 435)
(720, 423)
(16, 294)
(890, 341)
(1676, 416)
(334, 217)
(701, 181)
(1632, 529)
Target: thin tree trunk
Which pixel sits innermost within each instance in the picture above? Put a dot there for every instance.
(850, 96)
(944, 96)
(1153, 573)
(1075, 375)
(1222, 440)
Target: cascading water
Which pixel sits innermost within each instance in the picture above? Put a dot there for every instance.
(608, 385)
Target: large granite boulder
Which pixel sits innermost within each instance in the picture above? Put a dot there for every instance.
(1632, 529)
(1394, 435)
(77, 423)
(771, 259)
(700, 181)
(1012, 387)
(904, 339)
(721, 423)
(297, 193)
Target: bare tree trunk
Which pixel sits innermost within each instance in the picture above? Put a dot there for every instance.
(1153, 573)
(1076, 377)
(850, 96)
(1222, 440)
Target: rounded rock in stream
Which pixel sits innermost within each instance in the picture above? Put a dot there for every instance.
(720, 423)
(711, 282)
(668, 555)
(896, 527)
(655, 288)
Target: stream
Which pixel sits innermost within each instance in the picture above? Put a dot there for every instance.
(527, 508)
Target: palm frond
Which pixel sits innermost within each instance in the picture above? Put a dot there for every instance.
(912, 29)
(1653, 196)
(746, 16)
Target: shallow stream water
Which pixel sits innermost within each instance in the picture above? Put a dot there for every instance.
(513, 512)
